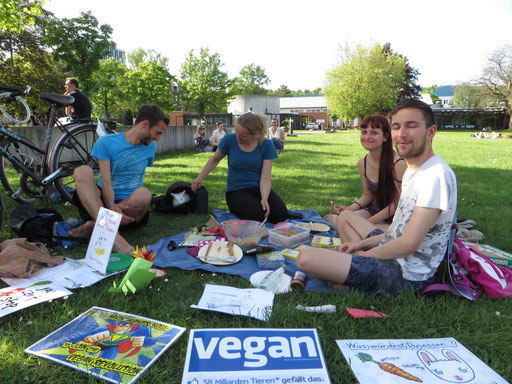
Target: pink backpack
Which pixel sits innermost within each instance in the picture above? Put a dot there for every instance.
(474, 267)
(467, 272)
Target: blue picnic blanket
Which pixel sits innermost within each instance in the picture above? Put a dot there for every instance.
(180, 258)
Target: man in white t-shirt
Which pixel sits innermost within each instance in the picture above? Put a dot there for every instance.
(407, 255)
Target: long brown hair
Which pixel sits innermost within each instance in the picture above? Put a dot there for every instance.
(386, 192)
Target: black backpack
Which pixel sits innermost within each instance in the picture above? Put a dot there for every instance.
(198, 202)
(36, 225)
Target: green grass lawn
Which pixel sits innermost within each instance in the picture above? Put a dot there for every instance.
(313, 170)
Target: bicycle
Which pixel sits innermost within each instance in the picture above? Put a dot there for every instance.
(42, 169)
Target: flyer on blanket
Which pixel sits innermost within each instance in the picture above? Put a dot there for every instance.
(254, 356)
(114, 346)
(433, 361)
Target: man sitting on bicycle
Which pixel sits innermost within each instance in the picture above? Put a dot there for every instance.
(81, 108)
(123, 158)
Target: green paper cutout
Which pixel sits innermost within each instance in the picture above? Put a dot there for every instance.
(137, 277)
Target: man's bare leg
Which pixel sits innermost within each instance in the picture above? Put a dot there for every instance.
(324, 263)
(90, 198)
(137, 204)
(352, 226)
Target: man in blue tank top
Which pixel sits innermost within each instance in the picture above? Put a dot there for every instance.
(123, 158)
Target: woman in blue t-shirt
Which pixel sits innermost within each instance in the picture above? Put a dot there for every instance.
(248, 192)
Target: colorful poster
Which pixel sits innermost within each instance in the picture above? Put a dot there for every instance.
(250, 356)
(13, 299)
(432, 361)
(115, 346)
(102, 239)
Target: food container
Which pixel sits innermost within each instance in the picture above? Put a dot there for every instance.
(327, 242)
(243, 232)
(270, 260)
(288, 236)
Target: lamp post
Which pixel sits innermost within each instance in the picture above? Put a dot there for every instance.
(176, 92)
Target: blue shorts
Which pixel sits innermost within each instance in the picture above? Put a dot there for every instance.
(375, 232)
(370, 275)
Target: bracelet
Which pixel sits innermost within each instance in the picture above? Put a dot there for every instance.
(111, 204)
(355, 202)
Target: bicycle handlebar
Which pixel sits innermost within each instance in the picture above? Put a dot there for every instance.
(14, 94)
(13, 91)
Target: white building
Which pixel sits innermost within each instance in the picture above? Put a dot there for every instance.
(266, 104)
(304, 104)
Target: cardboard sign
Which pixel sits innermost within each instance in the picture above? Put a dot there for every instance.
(254, 356)
(114, 346)
(102, 239)
(433, 361)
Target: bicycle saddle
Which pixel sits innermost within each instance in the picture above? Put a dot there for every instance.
(58, 99)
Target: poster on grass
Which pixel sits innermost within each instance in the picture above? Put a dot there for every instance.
(21, 296)
(114, 346)
(401, 361)
(254, 356)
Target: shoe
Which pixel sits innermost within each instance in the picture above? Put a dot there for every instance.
(468, 224)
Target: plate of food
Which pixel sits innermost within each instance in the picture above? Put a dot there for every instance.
(315, 227)
(220, 253)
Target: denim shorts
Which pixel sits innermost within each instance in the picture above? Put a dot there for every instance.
(375, 232)
(371, 275)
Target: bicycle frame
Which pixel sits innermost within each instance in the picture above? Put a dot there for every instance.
(45, 151)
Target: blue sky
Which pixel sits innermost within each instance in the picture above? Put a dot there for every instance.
(296, 42)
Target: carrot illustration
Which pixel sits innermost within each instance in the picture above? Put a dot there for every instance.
(388, 367)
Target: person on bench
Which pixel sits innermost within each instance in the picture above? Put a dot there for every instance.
(407, 255)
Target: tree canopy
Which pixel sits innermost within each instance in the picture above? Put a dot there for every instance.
(149, 83)
(496, 79)
(367, 81)
(80, 43)
(139, 56)
(410, 88)
(282, 91)
(203, 85)
(15, 15)
(24, 61)
(468, 95)
(252, 81)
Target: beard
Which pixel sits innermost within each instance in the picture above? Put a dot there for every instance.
(414, 151)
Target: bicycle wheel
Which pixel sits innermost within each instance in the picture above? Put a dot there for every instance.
(70, 151)
(17, 184)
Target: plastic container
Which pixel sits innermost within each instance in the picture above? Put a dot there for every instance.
(288, 236)
(243, 232)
